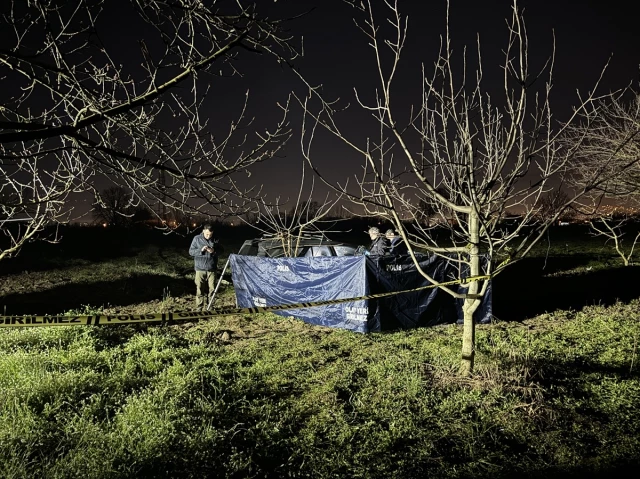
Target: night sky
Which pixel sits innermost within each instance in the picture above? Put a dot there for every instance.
(587, 33)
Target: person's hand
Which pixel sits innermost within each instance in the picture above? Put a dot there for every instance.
(204, 248)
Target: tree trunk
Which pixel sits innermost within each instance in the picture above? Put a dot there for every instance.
(470, 305)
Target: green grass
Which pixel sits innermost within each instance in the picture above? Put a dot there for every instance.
(258, 396)
(281, 398)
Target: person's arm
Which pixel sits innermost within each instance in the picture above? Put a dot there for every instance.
(194, 249)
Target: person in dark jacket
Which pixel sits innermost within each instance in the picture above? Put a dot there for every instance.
(396, 243)
(204, 249)
(379, 243)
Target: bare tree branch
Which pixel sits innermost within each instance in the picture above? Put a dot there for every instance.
(75, 108)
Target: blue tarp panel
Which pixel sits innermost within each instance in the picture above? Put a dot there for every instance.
(262, 281)
(427, 307)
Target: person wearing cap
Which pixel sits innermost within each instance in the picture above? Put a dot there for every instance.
(379, 243)
(397, 245)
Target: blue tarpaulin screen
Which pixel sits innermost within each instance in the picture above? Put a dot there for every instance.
(260, 281)
(426, 307)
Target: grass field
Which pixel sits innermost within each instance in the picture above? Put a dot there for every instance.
(556, 391)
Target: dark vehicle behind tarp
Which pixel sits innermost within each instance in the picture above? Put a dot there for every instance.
(272, 247)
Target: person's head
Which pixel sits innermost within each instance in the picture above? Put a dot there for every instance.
(373, 232)
(390, 234)
(207, 231)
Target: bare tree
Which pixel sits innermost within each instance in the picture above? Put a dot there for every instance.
(77, 107)
(606, 143)
(554, 204)
(471, 159)
(307, 209)
(289, 227)
(615, 228)
(114, 207)
(27, 208)
(178, 219)
(338, 212)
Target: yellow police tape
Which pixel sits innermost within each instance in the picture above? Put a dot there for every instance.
(101, 319)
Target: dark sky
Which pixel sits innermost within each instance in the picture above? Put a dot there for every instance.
(587, 33)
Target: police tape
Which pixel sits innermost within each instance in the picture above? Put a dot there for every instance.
(178, 316)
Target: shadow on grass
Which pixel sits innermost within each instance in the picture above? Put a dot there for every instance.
(591, 425)
(175, 262)
(624, 470)
(529, 288)
(92, 245)
(269, 451)
(137, 288)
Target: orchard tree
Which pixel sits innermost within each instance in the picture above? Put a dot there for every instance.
(554, 203)
(617, 229)
(116, 207)
(288, 226)
(79, 107)
(606, 143)
(459, 153)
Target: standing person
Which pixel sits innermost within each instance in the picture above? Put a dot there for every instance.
(379, 243)
(396, 243)
(204, 249)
